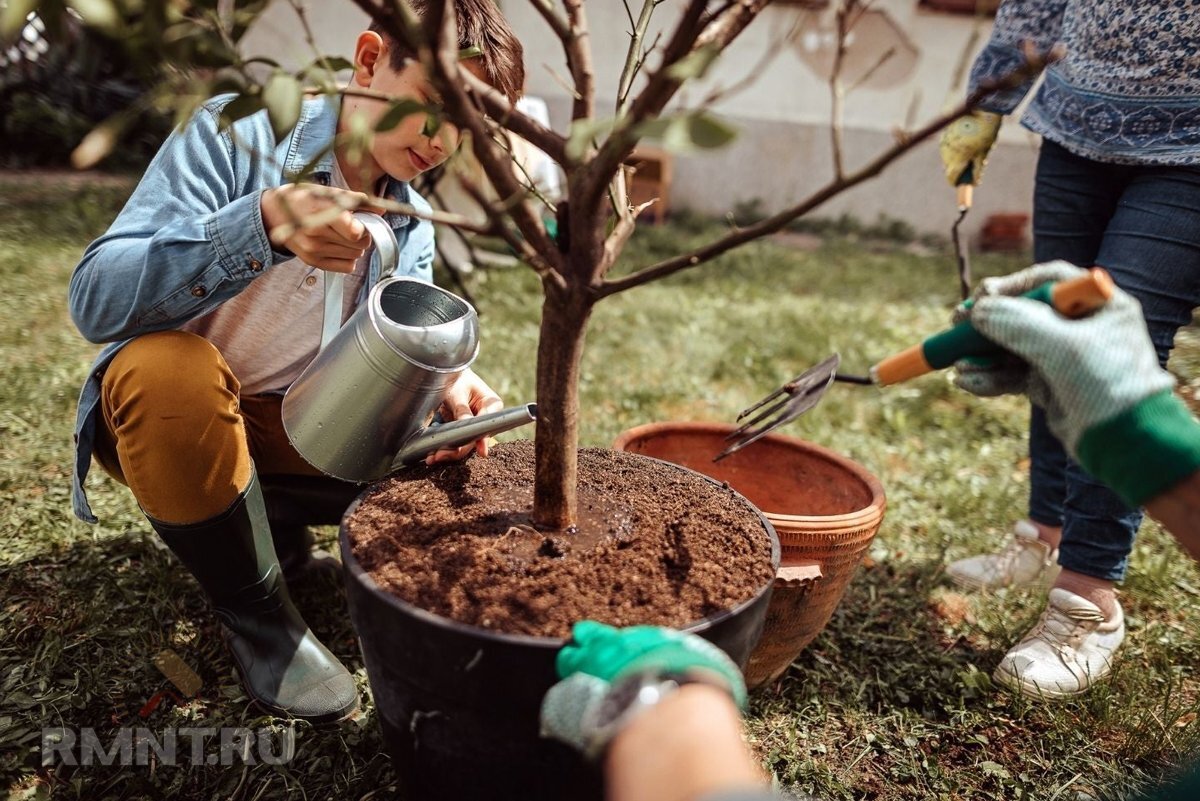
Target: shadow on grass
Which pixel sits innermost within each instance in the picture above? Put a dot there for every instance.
(85, 622)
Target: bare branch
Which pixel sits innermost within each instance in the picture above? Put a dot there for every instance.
(499, 218)
(350, 202)
(446, 73)
(659, 89)
(506, 114)
(636, 55)
(730, 21)
(777, 221)
(557, 24)
(836, 94)
(579, 59)
(572, 32)
(866, 76)
(765, 60)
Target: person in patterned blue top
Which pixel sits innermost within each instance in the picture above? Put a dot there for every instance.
(1118, 185)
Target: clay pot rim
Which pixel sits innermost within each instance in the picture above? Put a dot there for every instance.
(353, 571)
(855, 519)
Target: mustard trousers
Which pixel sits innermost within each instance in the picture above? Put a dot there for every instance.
(177, 431)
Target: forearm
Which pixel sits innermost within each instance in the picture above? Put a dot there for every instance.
(142, 276)
(1178, 510)
(190, 237)
(689, 745)
(1037, 23)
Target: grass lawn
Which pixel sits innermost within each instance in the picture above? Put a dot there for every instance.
(893, 701)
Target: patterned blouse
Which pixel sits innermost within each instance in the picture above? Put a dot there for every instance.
(1128, 90)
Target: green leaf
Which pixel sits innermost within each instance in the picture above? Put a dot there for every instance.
(323, 71)
(241, 106)
(990, 768)
(686, 132)
(99, 14)
(12, 20)
(582, 133)
(335, 63)
(433, 124)
(282, 95)
(695, 64)
(398, 112)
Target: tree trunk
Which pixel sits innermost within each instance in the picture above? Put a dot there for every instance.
(565, 314)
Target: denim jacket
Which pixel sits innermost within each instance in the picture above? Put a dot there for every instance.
(191, 237)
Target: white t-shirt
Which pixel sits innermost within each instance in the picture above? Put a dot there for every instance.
(271, 331)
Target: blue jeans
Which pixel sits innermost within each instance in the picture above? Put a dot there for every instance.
(1141, 223)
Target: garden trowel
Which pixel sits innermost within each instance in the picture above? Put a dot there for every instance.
(1074, 298)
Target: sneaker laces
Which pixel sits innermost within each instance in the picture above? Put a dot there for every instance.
(1006, 560)
(1064, 628)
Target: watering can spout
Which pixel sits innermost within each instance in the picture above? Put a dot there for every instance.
(459, 432)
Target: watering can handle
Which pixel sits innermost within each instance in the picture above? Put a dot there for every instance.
(385, 254)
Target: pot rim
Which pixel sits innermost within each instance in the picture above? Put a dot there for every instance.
(354, 571)
(869, 513)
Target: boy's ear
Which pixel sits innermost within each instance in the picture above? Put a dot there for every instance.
(368, 51)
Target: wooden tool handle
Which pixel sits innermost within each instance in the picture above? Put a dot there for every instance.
(965, 194)
(1083, 295)
(1076, 297)
(908, 363)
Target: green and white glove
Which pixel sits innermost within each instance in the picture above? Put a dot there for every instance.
(600, 656)
(1097, 378)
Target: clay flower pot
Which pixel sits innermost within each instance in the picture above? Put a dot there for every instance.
(825, 508)
(459, 704)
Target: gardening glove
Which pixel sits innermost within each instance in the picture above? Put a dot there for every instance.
(965, 144)
(1098, 379)
(599, 656)
(1007, 373)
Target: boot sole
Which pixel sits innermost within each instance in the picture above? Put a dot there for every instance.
(327, 719)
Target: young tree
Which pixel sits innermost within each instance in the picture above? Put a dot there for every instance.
(594, 221)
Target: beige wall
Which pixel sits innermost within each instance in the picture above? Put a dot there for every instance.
(782, 151)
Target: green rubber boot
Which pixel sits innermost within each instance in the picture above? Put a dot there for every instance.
(294, 503)
(283, 665)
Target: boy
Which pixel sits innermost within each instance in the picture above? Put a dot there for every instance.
(213, 306)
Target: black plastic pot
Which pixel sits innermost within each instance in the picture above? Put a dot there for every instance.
(459, 704)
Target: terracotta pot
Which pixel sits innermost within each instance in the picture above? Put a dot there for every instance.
(459, 704)
(825, 508)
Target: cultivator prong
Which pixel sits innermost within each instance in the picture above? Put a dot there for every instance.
(795, 398)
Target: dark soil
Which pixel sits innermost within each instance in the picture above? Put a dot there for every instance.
(654, 544)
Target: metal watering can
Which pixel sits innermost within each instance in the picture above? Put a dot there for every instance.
(363, 408)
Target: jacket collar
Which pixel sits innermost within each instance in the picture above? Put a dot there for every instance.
(311, 148)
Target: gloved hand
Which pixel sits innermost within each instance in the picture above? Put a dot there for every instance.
(1098, 379)
(965, 144)
(598, 656)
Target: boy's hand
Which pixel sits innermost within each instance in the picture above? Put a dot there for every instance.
(317, 224)
(469, 396)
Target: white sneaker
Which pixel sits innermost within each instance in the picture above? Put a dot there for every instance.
(1026, 560)
(1070, 649)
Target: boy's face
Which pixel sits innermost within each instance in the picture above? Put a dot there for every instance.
(405, 151)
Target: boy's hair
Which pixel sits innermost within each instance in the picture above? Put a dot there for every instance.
(481, 26)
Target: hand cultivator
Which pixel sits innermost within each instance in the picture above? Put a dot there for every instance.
(1075, 298)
